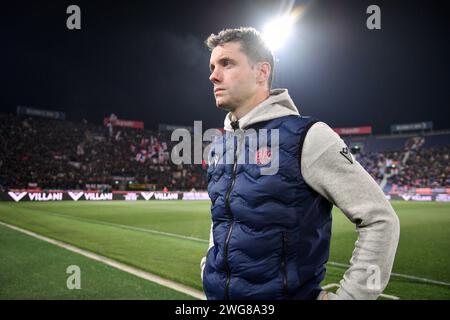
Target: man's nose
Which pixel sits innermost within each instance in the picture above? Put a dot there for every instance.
(215, 76)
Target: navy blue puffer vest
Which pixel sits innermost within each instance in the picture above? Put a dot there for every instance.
(271, 232)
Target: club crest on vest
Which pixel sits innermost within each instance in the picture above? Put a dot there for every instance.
(263, 156)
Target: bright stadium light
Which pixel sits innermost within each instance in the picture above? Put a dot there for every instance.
(277, 31)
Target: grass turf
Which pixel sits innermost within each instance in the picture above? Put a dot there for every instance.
(153, 236)
(34, 269)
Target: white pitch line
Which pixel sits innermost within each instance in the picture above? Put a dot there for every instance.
(115, 264)
(123, 226)
(400, 275)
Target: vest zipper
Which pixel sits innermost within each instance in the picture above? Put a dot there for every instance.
(227, 240)
(283, 263)
(227, 267)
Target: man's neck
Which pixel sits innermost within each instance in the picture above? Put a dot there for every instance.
(244, 109)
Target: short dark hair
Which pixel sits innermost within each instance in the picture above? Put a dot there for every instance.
(251, 42)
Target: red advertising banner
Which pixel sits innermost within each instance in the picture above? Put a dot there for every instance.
(424, 191)
(353, 131)
(124, 123)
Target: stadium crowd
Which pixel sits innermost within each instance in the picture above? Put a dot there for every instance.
(56, 154)
(425, 168)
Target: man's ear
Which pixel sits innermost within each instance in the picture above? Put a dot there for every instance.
(264, 69)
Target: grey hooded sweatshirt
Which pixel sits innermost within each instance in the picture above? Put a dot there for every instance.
(350, 188)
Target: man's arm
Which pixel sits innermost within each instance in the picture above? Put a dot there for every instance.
(211, 244)
(329, 168)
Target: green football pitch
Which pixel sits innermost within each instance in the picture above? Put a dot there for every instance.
(169, 238)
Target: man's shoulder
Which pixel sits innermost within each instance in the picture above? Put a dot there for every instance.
(321, 132)
(319, 138)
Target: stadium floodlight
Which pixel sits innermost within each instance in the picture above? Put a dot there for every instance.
(277, 31)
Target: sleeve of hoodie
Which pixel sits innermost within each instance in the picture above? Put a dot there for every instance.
(347, 185)
(211, 244)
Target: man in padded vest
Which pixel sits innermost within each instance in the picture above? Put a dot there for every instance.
(270, 233)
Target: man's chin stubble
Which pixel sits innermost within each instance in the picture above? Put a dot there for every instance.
(227, 108)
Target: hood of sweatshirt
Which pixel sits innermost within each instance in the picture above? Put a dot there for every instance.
(277, 105)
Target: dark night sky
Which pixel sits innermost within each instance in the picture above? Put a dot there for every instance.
(146, 60)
